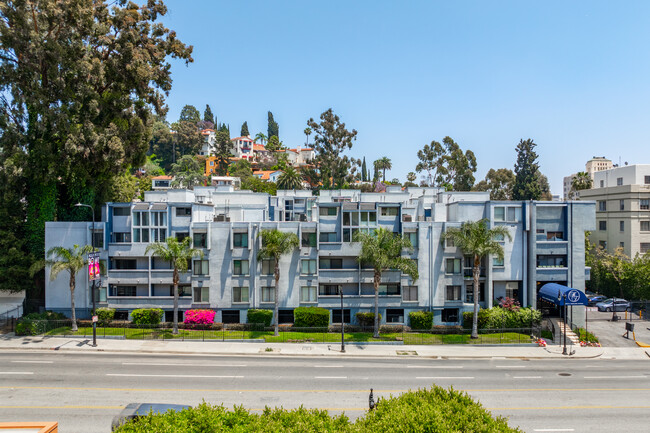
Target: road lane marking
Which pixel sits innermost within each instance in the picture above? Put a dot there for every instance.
(170, 364)
(566, 407)
(445, 377)
(16, 372)
(510, 366)
(526, 377)
(330, 377)
(174, 375)
(434, 366)
(63, 407)
(553, 429)
(33, 362)
(327, 366)
(615, 377)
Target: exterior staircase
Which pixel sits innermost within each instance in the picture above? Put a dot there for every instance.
(560, 328)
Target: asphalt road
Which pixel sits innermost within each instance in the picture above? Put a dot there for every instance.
(84, 391)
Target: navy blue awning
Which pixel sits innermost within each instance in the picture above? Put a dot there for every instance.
(562, 295)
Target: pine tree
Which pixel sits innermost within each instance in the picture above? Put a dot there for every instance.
(526, 185)
(273, 128)
(244, 130)
(207, 114)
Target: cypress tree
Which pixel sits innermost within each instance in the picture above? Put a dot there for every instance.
(207, 114)
(526, 185)
(244, 130)
(364, 169)
(273, 128)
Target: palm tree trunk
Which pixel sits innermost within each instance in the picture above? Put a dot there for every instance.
(384, 174)
(276, 274)
(476, 272)
(175, 330)
(72, 308)
(376, 282)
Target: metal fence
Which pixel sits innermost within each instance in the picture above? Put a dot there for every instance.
(8, 318)
(245, 332)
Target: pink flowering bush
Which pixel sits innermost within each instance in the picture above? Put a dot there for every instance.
(199, 317)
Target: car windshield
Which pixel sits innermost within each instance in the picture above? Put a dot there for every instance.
(607, 301)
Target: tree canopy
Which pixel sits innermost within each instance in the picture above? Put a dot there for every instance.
(272, 128)
(527, 183)
(189, 113)
(244, 130)
(446, 165)
(207, 114)
(498, 182)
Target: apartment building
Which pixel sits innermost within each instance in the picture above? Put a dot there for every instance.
(594, 165)
(547, 246)
(622, 196)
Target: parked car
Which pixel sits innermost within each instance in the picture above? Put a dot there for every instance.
(617, 304)
(590, 294)
(596, 299)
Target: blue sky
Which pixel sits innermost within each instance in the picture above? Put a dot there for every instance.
(574, 76)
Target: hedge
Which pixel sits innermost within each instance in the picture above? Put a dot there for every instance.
(147, 316)
(424, 410)
(366, 319)
(37, 323)
(259, 316)
(311, 317)
(421, 319)
(497, 317)
(105, 315)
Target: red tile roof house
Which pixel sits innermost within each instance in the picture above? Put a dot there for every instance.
(268, 175)
(161, 182)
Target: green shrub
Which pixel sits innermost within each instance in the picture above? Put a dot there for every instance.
(421, 319)
(259, 316)
(38, 323)
(146, 316)
(435, 410)
(366, 319)
(498, 317)
(105, 315)
(587, 336)
(311, 317)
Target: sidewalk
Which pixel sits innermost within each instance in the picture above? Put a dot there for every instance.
(10, 342)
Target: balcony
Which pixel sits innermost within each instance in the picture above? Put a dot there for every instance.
(124, 302)
(368, 276)
(338, 276)
(129, 276)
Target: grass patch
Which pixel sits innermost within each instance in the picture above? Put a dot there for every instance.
(547, 334)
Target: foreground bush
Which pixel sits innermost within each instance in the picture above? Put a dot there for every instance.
(199, 317)
(105, 316)
(147, 316)
(37, 323)
(426, 410)
(498, 317)
(421, 319)
(259, 316)
(311, 317)
(366, 319)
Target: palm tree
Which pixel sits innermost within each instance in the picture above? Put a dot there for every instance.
(384, 164)
(261, 137)
(307, 132)
(178, 254)
(476, 239)
(275, 244)
(290, 179)
(582, 180)
(411, 176)
(382, 250)
(66, 259)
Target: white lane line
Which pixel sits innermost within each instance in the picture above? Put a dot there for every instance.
(553, 429)
(445, 377)
(16, 372)
(173, 375)
(526, 377)
(33, 362)
(434, 366)
(171, 364)
(330, 377)
(328, 366)
(510, 366)
(615, 377)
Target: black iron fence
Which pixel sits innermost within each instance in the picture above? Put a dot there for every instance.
(8, 318)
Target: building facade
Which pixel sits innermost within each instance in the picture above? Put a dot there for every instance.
(622, 197)
(547, 246)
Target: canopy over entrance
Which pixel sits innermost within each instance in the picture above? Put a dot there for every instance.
(562, 295)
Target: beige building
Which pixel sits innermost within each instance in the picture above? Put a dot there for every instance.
(622, 196)
(596, 164)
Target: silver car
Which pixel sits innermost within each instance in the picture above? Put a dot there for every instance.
(615, 304)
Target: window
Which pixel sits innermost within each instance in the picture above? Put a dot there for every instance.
(644, 247)
(121, 264)
(450, 315)
(644, 204)
(602, 205)
(98, 238)
(308, 294)
(268, 294)
(645, 226)
(497, 262)
(546, 261)
(453, 293)
(619, 181)
(469, 293)
(413, 237)
(646, 180)
(511, 215)
(240, 267)
(183, 211)
(121, 211)
(122, 238)
(230, 316)
(328, 290)
(394, 315)
(201, 294)
(499, 213)
(602, 245)
(602, 225)
(268, 267)
(285, 316)
(602, 184)
(389, 211)
(555, 236)
(308, 267)
(328, 211)
(159, 219)
(201, 267)
(336, 315)
(410, 293)
(122, 290)
(449, 243)
(499, 237)
(200, 240)
(240, 240)
(240, 295)
(309, 240)
(621, 205)
(389, 290)
(621, 244)
(331, 263)
(180, 236)
(621, 226)
(452, 266)
(327, 237)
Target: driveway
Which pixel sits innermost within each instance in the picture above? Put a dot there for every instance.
(611, 333)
